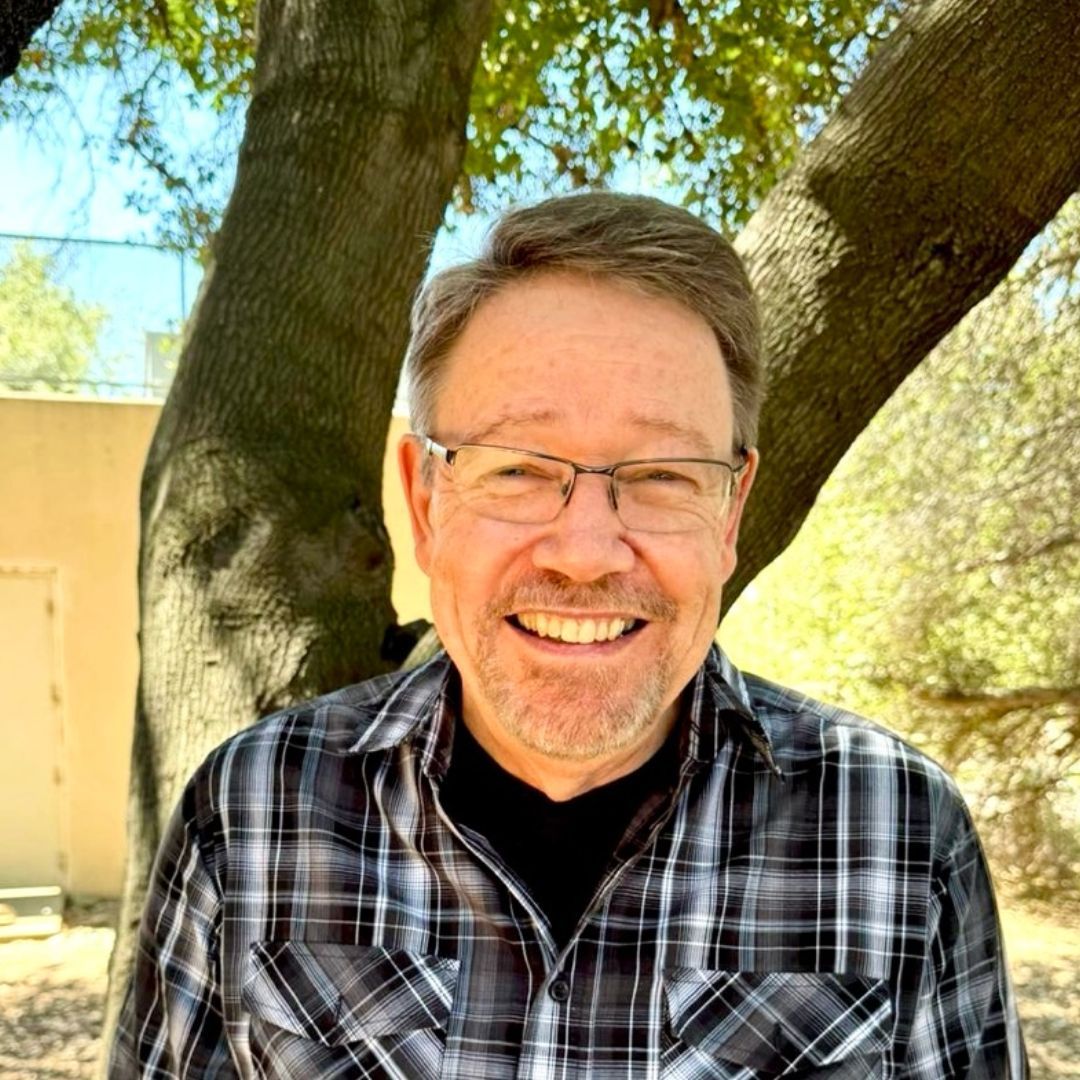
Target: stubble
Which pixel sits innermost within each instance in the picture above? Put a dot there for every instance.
(574, 712)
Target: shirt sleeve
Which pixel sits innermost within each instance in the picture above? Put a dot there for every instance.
(966, 1024)
(171, 1023)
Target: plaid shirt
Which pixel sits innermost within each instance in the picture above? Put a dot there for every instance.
(809, 901)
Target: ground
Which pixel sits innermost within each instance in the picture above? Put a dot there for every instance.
(51, 992)
(1045, 959)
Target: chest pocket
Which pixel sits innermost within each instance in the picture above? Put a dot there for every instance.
(775, 1024)
(321, 1009)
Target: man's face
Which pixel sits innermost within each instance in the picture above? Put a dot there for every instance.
(591, 371)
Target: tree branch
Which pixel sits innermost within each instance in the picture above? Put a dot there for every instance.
(1000, 702)
(909, 207)
(1015, 556)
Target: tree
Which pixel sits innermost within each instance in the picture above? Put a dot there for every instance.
(264, 568)
(47, 337)
(261, 496)
(564, 93)
(936, 585)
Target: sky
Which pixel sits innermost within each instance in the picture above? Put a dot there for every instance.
(57, 189)
(54, 187)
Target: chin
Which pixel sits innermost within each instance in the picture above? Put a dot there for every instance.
(587, 715)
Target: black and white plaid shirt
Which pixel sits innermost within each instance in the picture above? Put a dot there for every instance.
(811, 901)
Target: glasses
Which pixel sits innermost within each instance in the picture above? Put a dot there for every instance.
(657, 495)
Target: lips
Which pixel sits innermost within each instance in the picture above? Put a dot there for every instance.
(575, 631)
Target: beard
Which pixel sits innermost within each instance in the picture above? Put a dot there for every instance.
(585, 713)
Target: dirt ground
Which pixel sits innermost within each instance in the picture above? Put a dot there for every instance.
(51, 992)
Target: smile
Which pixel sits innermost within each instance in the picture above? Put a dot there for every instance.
(572, 630)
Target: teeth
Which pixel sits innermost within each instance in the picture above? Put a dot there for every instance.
(574, 631)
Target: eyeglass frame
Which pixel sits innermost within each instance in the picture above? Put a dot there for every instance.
(447, 455)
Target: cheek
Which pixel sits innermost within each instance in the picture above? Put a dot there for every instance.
(694, 577)
(451, 611)
(725, 565)
(720, 557)
(695, 569)
(468, 565)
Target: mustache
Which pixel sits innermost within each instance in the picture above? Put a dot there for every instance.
(545, 593)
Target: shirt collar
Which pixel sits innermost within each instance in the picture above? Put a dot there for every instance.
(423, 703)
(719, 705)
(416, 705)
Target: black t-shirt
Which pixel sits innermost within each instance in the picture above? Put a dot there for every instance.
(559, 849)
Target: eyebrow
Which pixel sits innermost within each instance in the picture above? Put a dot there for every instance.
(664, 426)
(660, 425)
(511, 420)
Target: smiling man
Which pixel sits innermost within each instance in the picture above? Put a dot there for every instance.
(577, 605)
(579, 843)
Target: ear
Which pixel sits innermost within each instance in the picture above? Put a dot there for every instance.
(410, 455)
(734, 518)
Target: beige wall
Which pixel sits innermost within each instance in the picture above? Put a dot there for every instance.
(69, 479)
(69, 474)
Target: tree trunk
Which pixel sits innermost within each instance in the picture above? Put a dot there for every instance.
(265, 568)
(19, 21)
(949, 155)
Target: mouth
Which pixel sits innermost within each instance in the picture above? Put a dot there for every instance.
(573, 630)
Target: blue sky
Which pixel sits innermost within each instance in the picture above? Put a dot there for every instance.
(54, 185)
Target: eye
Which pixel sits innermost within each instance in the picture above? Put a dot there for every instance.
(521, 470)
(658, 474)
(518, 475)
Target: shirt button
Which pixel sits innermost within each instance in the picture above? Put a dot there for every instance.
(559, 990)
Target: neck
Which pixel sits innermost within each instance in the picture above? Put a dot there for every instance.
(562, 778)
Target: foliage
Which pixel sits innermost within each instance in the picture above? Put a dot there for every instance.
(708, 101)
(47, 337)
(170, 81)
(936, 585)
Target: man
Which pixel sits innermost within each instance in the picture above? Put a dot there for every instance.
(579, 843)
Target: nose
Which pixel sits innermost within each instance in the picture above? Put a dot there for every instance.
(587, 540)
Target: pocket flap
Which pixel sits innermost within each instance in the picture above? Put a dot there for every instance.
(342, 993)
(778, 1021)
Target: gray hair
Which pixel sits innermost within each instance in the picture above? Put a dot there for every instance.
(638, 241)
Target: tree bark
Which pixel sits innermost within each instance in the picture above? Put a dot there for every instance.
(265, 568)
(951, 153)
(19, 21)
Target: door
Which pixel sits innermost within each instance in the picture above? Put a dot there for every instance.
(32, 833)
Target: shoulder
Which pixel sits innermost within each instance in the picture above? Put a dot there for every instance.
(817, 743)
(801, 729)
(311, 743)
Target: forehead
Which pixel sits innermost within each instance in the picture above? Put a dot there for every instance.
(586, 359)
